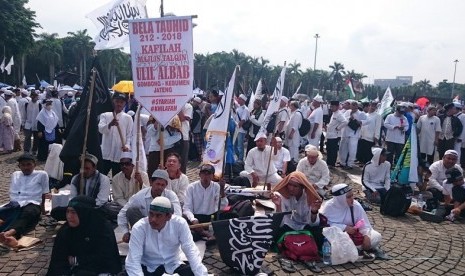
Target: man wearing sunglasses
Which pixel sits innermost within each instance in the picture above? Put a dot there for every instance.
(128, 181)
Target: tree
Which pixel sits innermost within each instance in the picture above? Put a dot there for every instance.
(49, 51)
(17, 30)
(294, 77)
(82, 46)
(336, 76)
(115, 65)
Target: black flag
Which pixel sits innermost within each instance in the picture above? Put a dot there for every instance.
(244, 242)
(75, 130)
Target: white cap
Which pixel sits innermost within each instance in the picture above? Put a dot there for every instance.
(9, 93)
(243, 97)
(259, 136)
(311, 149)
(70, 94)
(131, 113)
(318, 98)
(161, 204)
(284, 99)
(126, 154)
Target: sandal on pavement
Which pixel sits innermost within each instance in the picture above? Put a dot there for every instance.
(312, 266)
(287, 265)
(380, 254)
(366, 257)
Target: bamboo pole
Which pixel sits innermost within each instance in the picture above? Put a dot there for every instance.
(86, 130)
(120, 133)
(139, 185)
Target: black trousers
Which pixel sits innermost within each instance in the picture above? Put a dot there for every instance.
(444, 145)
(182, 270)
(108, 166)
(332, 148)
(429, 158)
(394, 149)
(364, 154)
(26, 220)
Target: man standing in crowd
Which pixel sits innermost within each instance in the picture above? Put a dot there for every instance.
(316, 122)
(242, 116)
(429, 129)
(31, 110)
(292, 130)
(350, 135)
(396, 125)
(451, 129)
(333, 133)
(112, 146)
(185, 116)
(282, 117)
(369, 135)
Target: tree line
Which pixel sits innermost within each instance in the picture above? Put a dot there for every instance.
(41, 56)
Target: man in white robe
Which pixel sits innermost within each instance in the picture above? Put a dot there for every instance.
(162, 230)
(292, 130)
(350, 135)
(429, 128)
(259, 168)
(315, 169)
(316, 122)
(112, 146)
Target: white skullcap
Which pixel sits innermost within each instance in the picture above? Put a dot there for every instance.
(243, 97)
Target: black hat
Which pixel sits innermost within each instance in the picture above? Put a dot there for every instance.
(120, 96)
(207, 168)
(334, 103)
(453, 174)
(26, 156)
(449, 106)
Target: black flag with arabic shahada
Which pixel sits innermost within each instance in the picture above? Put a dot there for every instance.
(244, 242)
(75, 130)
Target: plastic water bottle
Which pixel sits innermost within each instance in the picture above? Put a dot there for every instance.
(420, 201)
(326, 252)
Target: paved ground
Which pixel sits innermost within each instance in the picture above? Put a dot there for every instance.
(417, 247)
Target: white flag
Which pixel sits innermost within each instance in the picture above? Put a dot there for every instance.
(257, 95)
(110, 21)
(8, 66)
(385, 107)
(275, 100)
(218, 130)
(2, 66)
(24, 81)
(137, 132)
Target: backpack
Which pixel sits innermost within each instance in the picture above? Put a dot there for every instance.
(304, 128)
(397, 201)
(243, 208)
(298, 246)
(271, 126)
(291, 166)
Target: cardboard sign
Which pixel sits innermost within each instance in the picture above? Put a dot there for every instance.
(162, 64)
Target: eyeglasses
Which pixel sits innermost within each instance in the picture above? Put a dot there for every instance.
(122, 164)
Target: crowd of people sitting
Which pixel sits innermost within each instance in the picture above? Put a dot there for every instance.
(157, 208)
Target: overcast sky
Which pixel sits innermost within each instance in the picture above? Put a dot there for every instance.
(382, 38)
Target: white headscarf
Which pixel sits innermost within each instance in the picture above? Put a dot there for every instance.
(48, 118)
(337, 210)
(53, 165)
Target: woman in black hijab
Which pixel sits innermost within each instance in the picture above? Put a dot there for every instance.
(86, 244)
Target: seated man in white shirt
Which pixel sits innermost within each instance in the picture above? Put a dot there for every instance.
(202, 197)
(376, 176)
(127, 182)
(96, 186)
(315, 169)
(256, 163)
(438, 173)
(156, 240)
(283, 156)
(139, 204)
(27, 196)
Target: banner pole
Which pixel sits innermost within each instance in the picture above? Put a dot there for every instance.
(139, 185)
(86, 130)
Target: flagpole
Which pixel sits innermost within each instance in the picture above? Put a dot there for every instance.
(86, 131)
(139, 185)
(162, 145)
